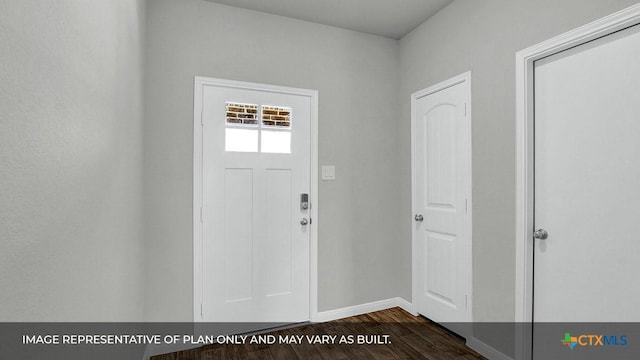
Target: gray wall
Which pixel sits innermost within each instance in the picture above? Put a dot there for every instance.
(71, 160)
(356, 76)
(483, 36)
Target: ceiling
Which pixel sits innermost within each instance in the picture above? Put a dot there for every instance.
(388, 18)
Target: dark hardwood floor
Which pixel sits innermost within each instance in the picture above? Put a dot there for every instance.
(409, 337)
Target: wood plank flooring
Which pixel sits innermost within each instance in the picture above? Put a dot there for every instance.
(410, 337)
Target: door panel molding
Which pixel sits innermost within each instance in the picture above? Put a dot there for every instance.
(465, 79)
(524, 157)
(199, 83)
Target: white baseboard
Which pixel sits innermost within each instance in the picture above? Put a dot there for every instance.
(407, 306)
(486, 350)
(362, 309)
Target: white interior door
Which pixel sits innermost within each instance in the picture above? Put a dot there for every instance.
(441, 200)
(587, 183)
(255, 243)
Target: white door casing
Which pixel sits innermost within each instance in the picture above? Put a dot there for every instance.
(253, 259)
(525, 62)
(441, 173)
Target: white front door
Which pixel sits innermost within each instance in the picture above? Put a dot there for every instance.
(587, 184)
(255, 227)
(441, 201)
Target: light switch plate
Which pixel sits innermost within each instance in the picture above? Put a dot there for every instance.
(328, 172)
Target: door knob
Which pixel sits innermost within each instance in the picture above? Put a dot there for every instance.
(304, 221)
(540, 234)
(419, 217)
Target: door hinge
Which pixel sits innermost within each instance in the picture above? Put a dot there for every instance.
(466, 206)
(465, 109)
(201, 311)
(466, 301)
(201, 217)
(202, 120)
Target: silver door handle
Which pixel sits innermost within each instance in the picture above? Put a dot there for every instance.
(419, 217)
(304, 221)
(540, 234)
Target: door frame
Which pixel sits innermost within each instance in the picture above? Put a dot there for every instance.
(524, 157)
(199, 83)
(466, 79)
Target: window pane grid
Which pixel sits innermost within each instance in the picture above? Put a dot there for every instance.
(245, 132)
